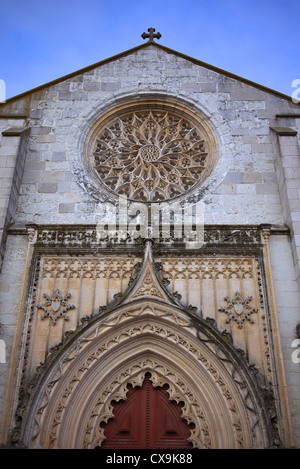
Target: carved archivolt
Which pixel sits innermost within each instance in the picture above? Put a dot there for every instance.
(80, 385)
(134, 375)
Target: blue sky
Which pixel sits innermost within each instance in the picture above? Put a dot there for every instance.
(42, 40)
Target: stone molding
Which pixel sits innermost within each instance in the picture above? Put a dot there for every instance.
(85, 236)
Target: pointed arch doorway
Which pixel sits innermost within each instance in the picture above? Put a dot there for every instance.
(147, 419)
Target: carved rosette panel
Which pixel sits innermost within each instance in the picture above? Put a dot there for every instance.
(56, 306)
(151, 154)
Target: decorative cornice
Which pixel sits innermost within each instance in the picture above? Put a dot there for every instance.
(14, 131)
(85, 236)
(284, 131)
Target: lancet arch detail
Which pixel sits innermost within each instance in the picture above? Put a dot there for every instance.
(119, 349)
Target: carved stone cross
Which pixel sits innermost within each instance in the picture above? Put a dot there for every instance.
(151, 35)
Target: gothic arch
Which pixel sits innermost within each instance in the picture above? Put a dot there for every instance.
(74, 390)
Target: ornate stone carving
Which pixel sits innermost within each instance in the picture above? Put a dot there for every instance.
(159, 322)
(148, 288)
(239, 309)
(160, 375)
(150, 154)
(238, 235)
(56, 306)
(207, 267)
(88, 267)
(80, 236)
(32, 233)
(191, 412)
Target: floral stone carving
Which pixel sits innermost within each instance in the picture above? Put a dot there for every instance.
(238, 309)
(56, 306)
(150, 155)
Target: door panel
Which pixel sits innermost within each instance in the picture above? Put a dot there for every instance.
(147, 419)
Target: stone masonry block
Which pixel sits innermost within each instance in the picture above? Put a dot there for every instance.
(296, 228)
(66, 208)
(252, 177)
(245, 189)
(46, 138)
(234, 177)
(266, 188)
(59, 156)
(294, 204)
(35, 165)
(92, 86)
(292, 193)
(36, 113)
(295, 216)
(111, 86)
(292, 173)
(65, 95)
(290, 161)
(79, 95)
(47, 187)
(41, 130)
(269, 176)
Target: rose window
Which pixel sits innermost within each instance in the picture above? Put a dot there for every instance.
(151, 155)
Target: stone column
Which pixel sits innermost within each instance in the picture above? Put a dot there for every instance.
(280, 376)
(287, 165)
(12, 158)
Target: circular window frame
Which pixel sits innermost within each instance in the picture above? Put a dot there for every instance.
(144, 105)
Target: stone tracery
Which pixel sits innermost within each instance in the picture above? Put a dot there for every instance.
(81, 367)
(150, 155)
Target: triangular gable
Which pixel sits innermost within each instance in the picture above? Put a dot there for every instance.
(138, 48)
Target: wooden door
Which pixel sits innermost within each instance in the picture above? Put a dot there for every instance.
(147, 419)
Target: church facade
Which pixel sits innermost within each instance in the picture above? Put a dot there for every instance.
(150, 259)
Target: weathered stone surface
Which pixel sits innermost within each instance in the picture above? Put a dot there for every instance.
(47, 187)
(45, 179)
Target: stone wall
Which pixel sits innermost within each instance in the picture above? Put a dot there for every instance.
(13, 145)
(13, 287)
(256, 180)
(246, 189)
(288, 307)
